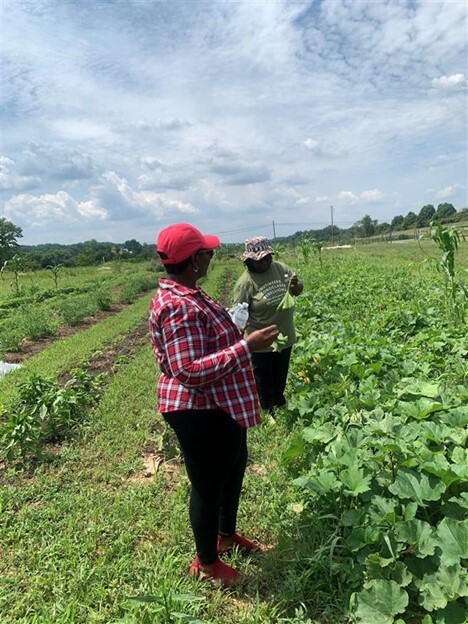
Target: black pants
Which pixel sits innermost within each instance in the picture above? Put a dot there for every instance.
(214, 447)
(271, 372)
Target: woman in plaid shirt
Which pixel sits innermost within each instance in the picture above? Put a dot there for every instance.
(206, 393)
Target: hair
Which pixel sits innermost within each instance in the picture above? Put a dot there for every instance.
(174, 269)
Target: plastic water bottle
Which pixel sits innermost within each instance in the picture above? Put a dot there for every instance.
(240, 315)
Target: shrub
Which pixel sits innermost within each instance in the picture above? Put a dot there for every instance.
(102, 297)
(135, 286)
(73, 311)
(10, 337)
(36, 322)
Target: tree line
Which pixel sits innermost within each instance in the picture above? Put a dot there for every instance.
(366, 227)
(77, 254)
(94, 252)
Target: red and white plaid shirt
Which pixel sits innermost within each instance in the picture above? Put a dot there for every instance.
(205, 363)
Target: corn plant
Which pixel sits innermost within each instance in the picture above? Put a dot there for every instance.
(55, 271)
(305, 247)
(278, 249)
(456, 292)
(16, 265)
(317, 249)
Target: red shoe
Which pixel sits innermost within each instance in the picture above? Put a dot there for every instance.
(220, 572)
(242, 543)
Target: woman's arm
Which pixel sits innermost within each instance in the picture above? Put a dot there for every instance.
(186, 345)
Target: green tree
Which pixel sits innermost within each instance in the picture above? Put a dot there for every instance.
(383, 227)
(9, 232)
(133, 246)
(445, 210)
(397, 222)
(366, 226)
(410, 220)
(425, 215)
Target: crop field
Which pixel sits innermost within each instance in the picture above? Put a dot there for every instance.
(357, 490)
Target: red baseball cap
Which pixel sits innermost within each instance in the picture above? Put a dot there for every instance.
(179, 241)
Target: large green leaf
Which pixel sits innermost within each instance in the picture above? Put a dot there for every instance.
(414, 486)
(414, 387)
(447, 584)
(452, 614)
(418, 534)
(461, 500)
(324, 482)
(382, 509)
(444, 470)
(379, 568)
(361, 537)
(460, 456)
(379, 602)
(452, 538)
(354, 480)
(421, 408)
(323, 433)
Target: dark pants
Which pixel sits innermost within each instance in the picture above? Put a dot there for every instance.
(271, 372)
(214, 447)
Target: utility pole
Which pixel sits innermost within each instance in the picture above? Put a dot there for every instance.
(274, 231)
(332, 229)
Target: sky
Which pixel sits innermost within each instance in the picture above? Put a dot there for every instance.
(120, 117)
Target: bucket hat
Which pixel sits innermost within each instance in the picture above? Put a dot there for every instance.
(256, 248)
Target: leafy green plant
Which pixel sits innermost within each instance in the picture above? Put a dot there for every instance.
(448, 240)
(35, 322)
(278, 249)
(46, 412)
(317, 247)
(168, 605)
(55, 271)
(305, 247)
(16, 266)
(288, 300)
(102, 298)
(73, 310)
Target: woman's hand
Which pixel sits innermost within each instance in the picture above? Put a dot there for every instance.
(262, 338)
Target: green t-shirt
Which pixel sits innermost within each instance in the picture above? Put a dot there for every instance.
(263, 292)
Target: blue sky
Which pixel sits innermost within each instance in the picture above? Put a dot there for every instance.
(120, 117)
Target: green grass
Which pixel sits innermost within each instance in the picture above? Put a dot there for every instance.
(75, 277)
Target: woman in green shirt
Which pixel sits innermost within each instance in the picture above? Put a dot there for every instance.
(263, 285)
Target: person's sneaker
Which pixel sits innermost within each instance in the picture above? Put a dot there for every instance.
(220, 572)
(238, 541)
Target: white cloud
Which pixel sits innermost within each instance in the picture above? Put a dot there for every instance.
(228, 110)
(449, 82)
(11, 179)
(348, 197)
(373, 195)
(450, 191)
(49, 209)
(91, 209)
(325, 149)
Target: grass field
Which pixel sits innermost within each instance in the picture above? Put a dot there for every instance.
(96, 530)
